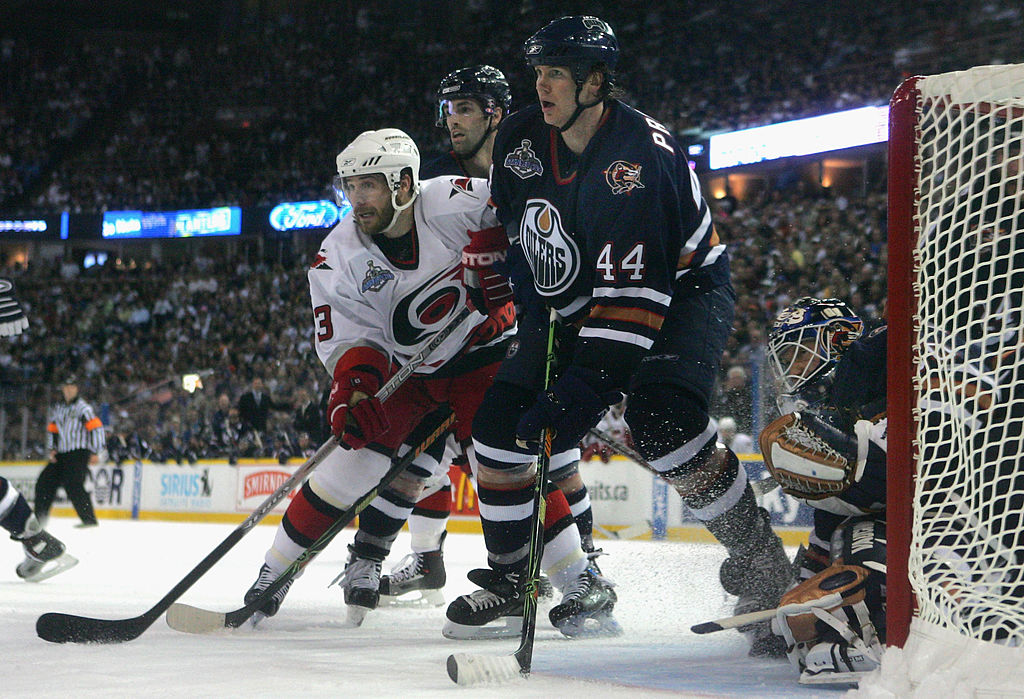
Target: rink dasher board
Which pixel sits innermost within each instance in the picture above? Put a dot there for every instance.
(624, 496)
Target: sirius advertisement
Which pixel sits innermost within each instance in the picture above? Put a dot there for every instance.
(224, 220)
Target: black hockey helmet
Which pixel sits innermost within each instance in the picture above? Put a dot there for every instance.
(581, 42)
(485, 84)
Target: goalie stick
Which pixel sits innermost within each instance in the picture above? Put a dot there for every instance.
(57, 627)
(732, 622)
(761, 487)
(469, 669)
(189, 619)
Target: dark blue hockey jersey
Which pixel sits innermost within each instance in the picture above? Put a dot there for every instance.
(610, 235)
(515, 267)
(446, 164)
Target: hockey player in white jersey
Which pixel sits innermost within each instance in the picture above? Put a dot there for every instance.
(387, 277)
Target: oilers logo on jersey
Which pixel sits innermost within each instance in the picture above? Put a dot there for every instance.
(623, 177)
(524, 162)
(551, 253)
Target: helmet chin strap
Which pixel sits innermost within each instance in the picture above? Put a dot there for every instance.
(579, 109)
(399, 208)
(483, 139)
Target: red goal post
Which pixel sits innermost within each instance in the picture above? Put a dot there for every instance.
(956, 360)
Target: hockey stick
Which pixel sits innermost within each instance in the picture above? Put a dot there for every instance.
(468, 669)
(765, 485)
(732, 622)
(189, 619)
(64, 628)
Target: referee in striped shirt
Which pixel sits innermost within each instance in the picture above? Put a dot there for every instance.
(76, 439)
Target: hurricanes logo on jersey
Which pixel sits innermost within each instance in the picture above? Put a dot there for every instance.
(376, 277)
(524, 162)
(550, 251)
(320, 261)
(462, 185)
(623, 177)
(425, 309)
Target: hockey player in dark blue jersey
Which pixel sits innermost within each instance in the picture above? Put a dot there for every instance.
(471, 102)
(830, 452)
(620, 242)
(44, 554)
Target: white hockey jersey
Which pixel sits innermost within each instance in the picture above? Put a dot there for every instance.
(360, 297)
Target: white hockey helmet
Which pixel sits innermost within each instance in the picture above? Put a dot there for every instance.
(385, 151)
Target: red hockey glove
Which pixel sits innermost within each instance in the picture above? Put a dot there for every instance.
(488, 290)
(356, 417)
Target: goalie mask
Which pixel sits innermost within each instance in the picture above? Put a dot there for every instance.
(388, 152)
(807, 338)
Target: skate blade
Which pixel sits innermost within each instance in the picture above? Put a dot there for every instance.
(354, 616)
(602, 626)
(832, 677)
(414, 599)
(502, 627)
(51, 568)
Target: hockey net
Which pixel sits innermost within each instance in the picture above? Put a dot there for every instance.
(956, 380)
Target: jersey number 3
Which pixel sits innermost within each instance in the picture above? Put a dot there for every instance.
(632, 264)
(322, 320)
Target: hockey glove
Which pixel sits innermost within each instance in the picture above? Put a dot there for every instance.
(572, 406)
(356, 416)
(12, 317)
(487, 289)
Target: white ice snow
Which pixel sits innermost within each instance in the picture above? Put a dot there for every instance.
(127, 566)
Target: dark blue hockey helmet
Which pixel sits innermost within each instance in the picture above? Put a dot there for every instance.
(580, 42)
(485, 84)
(807, 339)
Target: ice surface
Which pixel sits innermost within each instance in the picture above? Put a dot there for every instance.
(127, 566)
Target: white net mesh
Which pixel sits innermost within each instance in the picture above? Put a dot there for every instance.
(967, 552)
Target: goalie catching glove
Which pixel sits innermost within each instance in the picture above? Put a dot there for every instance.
(356, 416)
(812, 460)
(487, 289)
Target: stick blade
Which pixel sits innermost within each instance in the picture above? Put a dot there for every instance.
(707, 627)
(468, 670)
(189, 619)
(68, 628)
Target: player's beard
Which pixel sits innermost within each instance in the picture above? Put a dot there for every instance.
(382, 219)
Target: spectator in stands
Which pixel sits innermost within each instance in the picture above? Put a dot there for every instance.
(254, 407)
(739, 442)
(733, 397)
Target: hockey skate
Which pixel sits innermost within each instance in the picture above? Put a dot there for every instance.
(417, 580)
(586, 607)
(44, 556)
(839, 663)
(270, 607)
(360, 581)
(494, 611)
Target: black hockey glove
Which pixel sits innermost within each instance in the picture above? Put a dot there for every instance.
(572, 406)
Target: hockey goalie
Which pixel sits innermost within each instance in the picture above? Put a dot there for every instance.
(828, 450)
